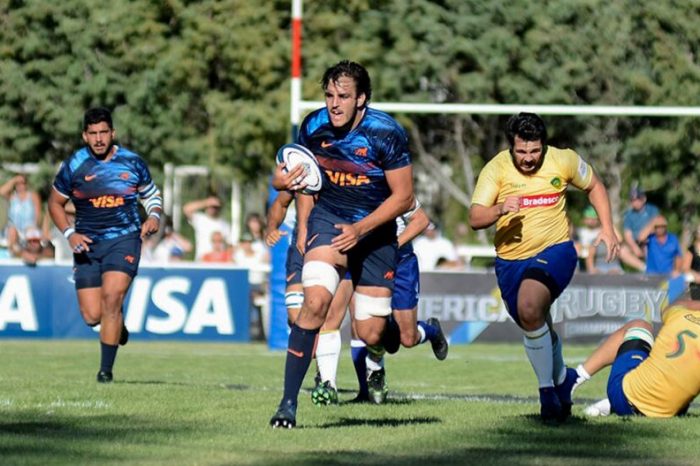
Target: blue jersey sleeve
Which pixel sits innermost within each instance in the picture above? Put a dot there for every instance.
(395, 149)
(62, 182)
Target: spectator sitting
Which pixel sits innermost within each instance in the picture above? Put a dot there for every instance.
(663, 248)
(206, 223)
(638, 216)
(221, 252)
(173, 246)
(33, 248)
(431, 247)
(595, 257)
(24, 210)
(691, 258)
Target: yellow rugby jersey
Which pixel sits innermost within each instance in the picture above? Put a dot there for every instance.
(541, 221)
(669, 378)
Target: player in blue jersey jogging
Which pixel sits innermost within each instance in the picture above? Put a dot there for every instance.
(105, 182)
(367, 183)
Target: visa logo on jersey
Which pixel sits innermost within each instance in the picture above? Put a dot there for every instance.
(540, 200)
(107, 201)
(346, 179)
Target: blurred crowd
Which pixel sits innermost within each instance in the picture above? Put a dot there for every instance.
(647, 245)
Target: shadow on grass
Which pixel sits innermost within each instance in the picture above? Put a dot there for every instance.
(516, 440)
(377, 422)
(26, 438)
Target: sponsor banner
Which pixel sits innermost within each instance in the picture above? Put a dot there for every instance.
(470, 308)
(187, 303)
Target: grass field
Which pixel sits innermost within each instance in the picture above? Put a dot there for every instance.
(209, 404)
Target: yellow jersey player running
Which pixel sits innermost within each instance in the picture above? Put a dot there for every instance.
(522, 191)
(652, 378)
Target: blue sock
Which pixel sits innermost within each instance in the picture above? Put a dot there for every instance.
(109, 353)
(299, 353)
(430, 331)
(358, 351)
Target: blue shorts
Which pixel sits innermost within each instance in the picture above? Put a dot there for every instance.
(630, 355)
(406, 282)
(371, 262)
(295, 261)
(554, 267)
(120, 254)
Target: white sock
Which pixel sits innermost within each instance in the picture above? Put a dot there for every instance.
(558, 359)
(538, 347)
(328, 355)
(421, 332)
(374, 362)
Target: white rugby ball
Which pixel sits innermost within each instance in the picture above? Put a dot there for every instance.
(294, 154)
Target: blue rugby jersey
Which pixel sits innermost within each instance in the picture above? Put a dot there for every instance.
(353, 165)
(105, 193)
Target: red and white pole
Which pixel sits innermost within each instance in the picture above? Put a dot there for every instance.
(295, 112)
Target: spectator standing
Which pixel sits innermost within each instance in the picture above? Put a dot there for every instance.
(205, 223)
(663, 248)
(432, 249)
(24, 210)
(638, 216)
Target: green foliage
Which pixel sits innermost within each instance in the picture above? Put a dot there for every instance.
(207, 81)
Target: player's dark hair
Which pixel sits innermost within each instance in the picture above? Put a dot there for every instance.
(527, 126)
(97, 115)
(352, 70)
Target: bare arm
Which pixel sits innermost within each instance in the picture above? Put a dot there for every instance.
(416, 225)
(275, 217)
(304, 204)
(483, 217)
(8, 186)
(78, 242)
(401, 199)
(598, 197)
(193, 206)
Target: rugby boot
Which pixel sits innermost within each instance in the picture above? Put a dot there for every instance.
(104, 377)
(376, 384)
(438, 342)
(565, 391)
(550, 407)
(286, 416)
(324, 394)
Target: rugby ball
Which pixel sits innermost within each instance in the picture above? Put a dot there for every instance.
(294, 154)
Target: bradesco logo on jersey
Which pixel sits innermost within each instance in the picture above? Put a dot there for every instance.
(539, 200)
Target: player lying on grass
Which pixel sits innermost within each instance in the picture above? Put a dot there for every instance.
(654, 378)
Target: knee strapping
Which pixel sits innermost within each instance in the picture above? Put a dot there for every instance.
(371, 306)
(639, 333)
(294, 299)
(319, 273)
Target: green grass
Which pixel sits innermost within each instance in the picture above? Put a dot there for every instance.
(209, 404)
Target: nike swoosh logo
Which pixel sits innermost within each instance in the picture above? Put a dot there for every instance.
(298, 354)
(308, 243)
(90, 177)
(290, 276)
(325, 144)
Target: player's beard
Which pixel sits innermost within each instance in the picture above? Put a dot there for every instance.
(105, 154)
(537, 167)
